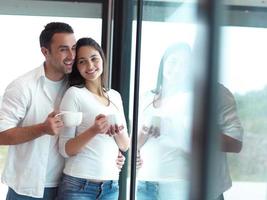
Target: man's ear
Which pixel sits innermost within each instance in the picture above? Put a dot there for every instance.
(44, 51)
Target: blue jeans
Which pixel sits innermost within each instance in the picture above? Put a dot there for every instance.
(163, 190)
(147, 190)
(49, 194)
(174, 190)
(72, 188)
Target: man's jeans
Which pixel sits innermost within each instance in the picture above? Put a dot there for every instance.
(49, 194)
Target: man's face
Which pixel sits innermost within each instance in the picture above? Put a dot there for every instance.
(60, 56)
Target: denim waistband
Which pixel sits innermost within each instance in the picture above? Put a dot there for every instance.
(89, 181)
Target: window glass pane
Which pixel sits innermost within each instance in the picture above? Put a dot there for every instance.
(169, 31)
(242, 71)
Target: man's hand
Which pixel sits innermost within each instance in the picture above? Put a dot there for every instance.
(53, 124)
(139, 161)
(120, 161)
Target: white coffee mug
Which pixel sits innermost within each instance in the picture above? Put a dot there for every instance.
(154, 121)
(71, 118)
(114, 119)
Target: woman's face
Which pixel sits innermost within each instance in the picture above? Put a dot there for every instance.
(176, 67)
(89, 63)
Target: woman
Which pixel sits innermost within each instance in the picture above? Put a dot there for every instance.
(164, 136)
(91, 148)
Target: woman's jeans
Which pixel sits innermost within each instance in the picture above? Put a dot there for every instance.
(147, 190)
(49, 194)
(163, 190)
(72, 188)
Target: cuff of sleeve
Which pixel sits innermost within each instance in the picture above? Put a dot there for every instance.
(238, 135)
(62, 149)
(5, 125)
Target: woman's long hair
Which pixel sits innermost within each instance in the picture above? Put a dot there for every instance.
(175, 48)
(75, 78)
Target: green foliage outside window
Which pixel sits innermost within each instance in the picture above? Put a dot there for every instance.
(251, 163)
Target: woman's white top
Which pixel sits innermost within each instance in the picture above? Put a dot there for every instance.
(166, 158)
(97, 160)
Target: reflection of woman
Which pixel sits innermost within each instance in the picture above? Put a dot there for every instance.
(91, 148)
(164, 144)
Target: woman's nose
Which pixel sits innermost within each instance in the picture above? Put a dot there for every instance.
(89, 64)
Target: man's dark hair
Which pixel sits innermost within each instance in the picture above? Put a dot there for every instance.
(49, 31)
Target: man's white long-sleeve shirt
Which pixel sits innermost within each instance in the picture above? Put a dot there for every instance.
(27, 102)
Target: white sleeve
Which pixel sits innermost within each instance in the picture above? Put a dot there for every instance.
(68, 103)
(121, 110)
(14, 105)
(145, 104)
(229, 121)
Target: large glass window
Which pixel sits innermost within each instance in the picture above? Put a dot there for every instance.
(168, 41)
(243, 69)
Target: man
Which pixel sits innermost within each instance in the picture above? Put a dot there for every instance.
(28, 120)
(231, 132)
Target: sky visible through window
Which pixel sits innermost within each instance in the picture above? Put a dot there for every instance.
(243, 58)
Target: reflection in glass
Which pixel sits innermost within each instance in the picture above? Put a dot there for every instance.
(230, 132)
(243, 72)
(164, 129)
(165, 100)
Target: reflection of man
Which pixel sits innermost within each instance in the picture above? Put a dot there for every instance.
(232, 133)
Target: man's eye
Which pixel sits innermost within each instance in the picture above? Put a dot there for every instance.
(63, 50)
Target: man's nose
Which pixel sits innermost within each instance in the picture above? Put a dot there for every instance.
(71, 54)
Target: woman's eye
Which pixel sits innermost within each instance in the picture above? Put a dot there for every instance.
(81, 62)
(95, 59)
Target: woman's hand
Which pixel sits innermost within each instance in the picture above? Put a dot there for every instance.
(152, 131)
(101, 124)
(115, 130)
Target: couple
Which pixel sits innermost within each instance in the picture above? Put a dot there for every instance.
(36, 134)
